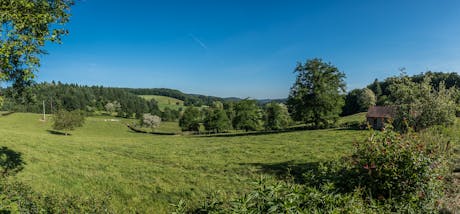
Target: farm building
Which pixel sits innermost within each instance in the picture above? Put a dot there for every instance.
(377, 116)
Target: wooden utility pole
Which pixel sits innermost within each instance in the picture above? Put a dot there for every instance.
(51, 109)
(44, 112)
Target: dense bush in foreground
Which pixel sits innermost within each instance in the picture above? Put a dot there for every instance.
(389, 172)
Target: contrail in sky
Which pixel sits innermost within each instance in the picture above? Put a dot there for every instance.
(198, 41)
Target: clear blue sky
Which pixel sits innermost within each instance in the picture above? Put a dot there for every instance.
(250, 48)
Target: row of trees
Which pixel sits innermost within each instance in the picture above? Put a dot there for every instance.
(381, 93)
(243, 115)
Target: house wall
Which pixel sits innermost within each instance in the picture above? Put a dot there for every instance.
(376, 123)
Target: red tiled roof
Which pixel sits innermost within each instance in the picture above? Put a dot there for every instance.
(381, 111)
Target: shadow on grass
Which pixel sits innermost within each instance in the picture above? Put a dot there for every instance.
(287, 170)
(254, 133)
(7, 113)
(58, 133)
(135, 130)
(11, 162)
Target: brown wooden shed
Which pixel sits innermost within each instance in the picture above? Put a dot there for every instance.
(377, 116)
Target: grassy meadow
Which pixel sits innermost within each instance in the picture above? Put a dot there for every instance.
(147, 173)
(360, 117)
(164, 102)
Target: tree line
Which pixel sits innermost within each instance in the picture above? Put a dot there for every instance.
(189, 99)
(381, 93)
(244, 115)
(70, 97)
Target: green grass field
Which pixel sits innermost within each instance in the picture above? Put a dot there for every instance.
(164, 102)
(146, 173)
(356, 117)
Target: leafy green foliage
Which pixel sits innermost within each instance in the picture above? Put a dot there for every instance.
(420, 105)
(68, 121)
(16, 197)
(25, 28)
(270, 196)
(216, 120)
(247, 115)
(169, 114)
(403, 168)
(358, 100)
(450, 80)
(276, 116)
(190, 120)
(316, 96)
(366, 99)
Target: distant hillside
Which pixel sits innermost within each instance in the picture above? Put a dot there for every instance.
(165, 102)
(191, 99)
(265, 101)
(94, 98)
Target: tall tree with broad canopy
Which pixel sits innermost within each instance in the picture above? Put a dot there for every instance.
(217, 120)
(190, 120)
(316, 96)
(276, 116)
(248, 115)
(359, 100)
(366, 99)
(25, 28)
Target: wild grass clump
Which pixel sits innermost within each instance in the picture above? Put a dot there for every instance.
(388, 172)
(16, 197)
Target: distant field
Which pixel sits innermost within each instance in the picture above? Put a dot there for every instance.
(164, 102)
(146, 173)
(356, 117)
(170, 127)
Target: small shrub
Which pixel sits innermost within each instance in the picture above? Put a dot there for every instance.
(68, 121)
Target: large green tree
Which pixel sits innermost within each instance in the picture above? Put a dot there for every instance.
(276, 116)
(217, 120)
(366, 99)
(358, 100)
(316, 96)
(25, 27)
(247, 115)
(190, 120)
